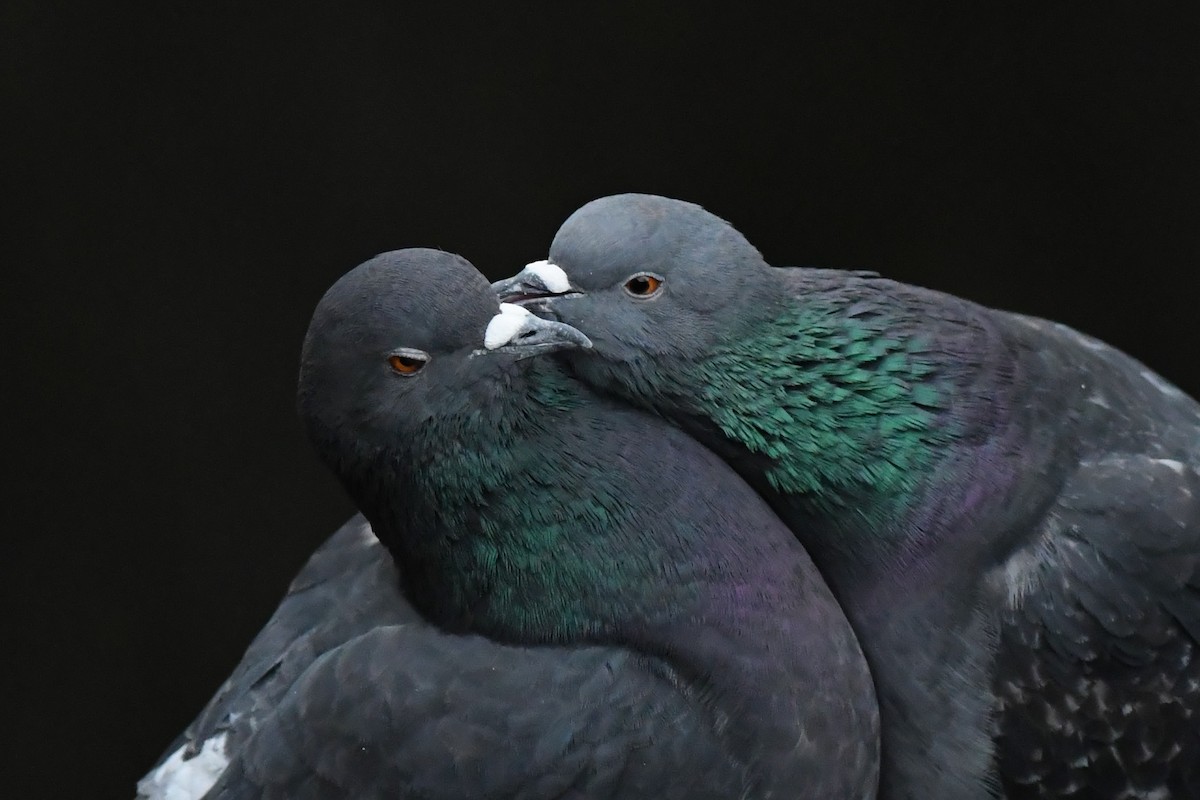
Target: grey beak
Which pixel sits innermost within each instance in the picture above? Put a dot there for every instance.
(515, 330)
(538, 280)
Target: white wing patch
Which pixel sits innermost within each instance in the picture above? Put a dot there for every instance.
(505, 325)
(177, 779)
(552, 275)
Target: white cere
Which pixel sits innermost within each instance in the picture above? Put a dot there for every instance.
(552, 276)
(505, 325)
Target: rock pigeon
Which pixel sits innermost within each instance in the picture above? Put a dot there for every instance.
(588, 602)
(1008, 510)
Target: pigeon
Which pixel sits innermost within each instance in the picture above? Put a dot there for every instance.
(1007, 509)
(586, 601)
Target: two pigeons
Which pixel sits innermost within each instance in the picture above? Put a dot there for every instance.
(655, 519)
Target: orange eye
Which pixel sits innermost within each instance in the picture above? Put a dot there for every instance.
(406, 365)
(643, 285)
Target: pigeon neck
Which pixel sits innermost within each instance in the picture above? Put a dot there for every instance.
(609, 550)
(850, 423)
(490, 521)
(867, 440)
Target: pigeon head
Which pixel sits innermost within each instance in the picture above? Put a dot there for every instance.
(523, 506)
(404, 349)
(643, 275)
(800, 369)
(479, 466)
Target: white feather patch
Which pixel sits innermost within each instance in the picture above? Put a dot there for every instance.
(1161, 384)
(1171, 464)
(367, 535)
(1021, 572)
(505, 325)
(552, 276)
(177, 779)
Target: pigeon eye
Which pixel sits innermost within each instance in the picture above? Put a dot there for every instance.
(406, 364)
(643, 285)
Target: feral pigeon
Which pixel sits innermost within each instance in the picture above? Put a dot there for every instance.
(1008, 510)
(604, 608)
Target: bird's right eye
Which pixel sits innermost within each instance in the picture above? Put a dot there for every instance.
(405, 365)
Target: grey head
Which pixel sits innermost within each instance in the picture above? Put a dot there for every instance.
(406, 344)
(644, 275)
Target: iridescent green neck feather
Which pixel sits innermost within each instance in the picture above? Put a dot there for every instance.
(498, 545)
(845, 411)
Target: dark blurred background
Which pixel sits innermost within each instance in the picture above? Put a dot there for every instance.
(183, 183)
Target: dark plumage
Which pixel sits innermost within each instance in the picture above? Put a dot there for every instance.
(587, 602)
(348, 587)
(1008, 510)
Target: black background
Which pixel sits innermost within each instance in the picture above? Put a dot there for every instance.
(188, 181)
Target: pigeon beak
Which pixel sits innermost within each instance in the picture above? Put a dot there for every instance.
(515, 330)
(539, 280)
